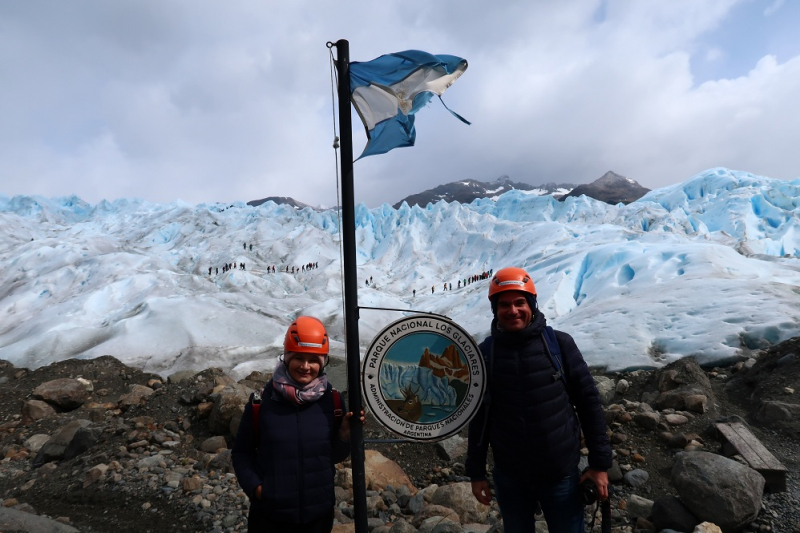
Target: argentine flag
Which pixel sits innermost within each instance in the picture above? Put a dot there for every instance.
(387, 91)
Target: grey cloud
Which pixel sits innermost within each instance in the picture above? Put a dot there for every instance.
(223, 102)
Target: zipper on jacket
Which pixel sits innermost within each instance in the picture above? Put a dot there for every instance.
(301, 481)
(488, 405)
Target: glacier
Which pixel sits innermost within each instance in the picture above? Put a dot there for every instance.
(430, 389)
(709, 268)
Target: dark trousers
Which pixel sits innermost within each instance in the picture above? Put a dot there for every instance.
(559, 500)
(258, 523)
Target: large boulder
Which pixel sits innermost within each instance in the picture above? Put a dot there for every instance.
(697, 403)
(54, 448)
(431, 515)
(399, 526)
(459, 497)
(380, 471)
(683, 382)
(181, 376)
(221, 462)
(256, 380)
(214, 444)
(63, 393)
(717, 489)
(228, 403)
(636, 478)
(669, 512)
(707, 527)
(35, 442)
(780, 414)
(136, 396)
(36, 410)
(439, 524)
(606, 387)
(452, 449)
(17, 520)
(647, 420)
(85, 437)
(639, 506)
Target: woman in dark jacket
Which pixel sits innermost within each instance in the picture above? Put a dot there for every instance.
(284, 457)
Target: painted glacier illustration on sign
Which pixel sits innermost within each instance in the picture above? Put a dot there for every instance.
(423, 377)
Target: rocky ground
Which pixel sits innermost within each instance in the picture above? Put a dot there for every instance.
(152, 459)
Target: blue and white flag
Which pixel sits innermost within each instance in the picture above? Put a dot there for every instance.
(387, 91)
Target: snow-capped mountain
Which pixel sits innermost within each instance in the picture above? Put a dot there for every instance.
(279, 200)
(610, 188)
(466, 191)
(706, 267)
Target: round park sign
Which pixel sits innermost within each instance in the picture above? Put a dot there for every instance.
(423, 377)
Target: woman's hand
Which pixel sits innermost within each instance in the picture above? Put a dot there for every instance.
(344, 429)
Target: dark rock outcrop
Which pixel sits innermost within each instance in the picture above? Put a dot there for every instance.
(280, 200)
(611, 188)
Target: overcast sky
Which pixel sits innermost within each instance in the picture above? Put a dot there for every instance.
(210, 101)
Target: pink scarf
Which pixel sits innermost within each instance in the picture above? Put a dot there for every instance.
(293, 391)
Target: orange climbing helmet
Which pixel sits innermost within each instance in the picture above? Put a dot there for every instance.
(306, 335)
(511, 279)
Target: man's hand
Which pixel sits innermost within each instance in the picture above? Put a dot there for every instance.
(480, 489)
(258, 492)
(600, 479)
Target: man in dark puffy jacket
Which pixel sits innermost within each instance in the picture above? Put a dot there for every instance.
(528, 416)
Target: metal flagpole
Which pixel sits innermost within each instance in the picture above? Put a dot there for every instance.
(348, 232)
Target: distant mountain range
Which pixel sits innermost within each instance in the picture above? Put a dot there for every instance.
(465, 191)
(611, 188)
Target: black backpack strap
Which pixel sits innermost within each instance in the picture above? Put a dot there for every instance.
(338, 412)
(255, 404)
(554, 352)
